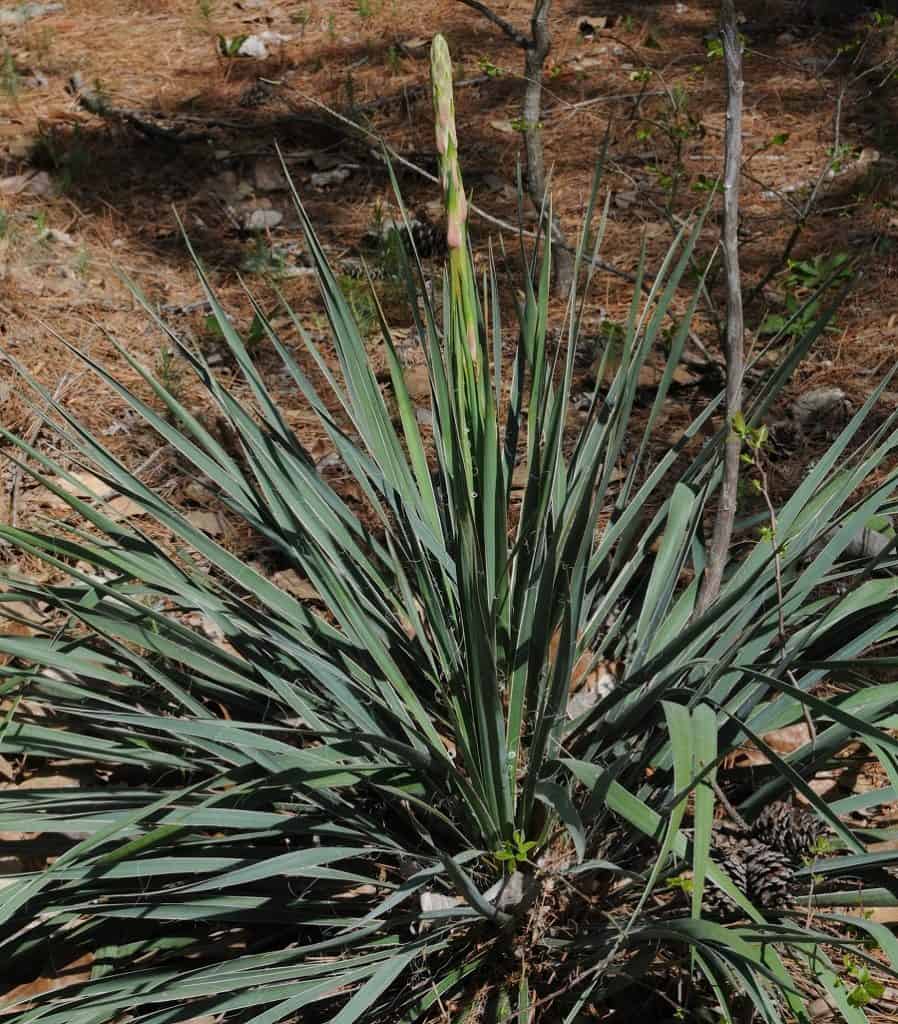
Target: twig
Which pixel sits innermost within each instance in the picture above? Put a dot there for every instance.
(95, 103)
(572, 108)
(734, 341)
(728, 807)
(518, 38)
(414, 91)
(536, 48)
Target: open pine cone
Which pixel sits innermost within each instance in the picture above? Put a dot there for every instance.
(760, 870)
(793, 831)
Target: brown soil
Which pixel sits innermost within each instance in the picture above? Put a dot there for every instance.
(109, 192)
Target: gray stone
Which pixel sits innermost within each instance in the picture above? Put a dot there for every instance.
(263, 220)
(327, 179)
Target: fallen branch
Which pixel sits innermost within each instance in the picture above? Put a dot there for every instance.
(518, 38)
(414, 92)
(96, 103)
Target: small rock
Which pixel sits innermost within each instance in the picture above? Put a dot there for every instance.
(502, 125)
(785, 39)
(327, 179)
(509, 891)
(26, 12)
(867, 543)
(820, 410)
(35, 184)
(263, 220)
(430, 901)
(253, 47)
(196, 491)
(416, 48)
(257, 46)
(60, 237)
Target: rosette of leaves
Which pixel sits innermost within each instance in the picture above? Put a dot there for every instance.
(375, 807)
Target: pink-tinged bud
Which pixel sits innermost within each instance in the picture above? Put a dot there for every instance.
(453, 233)
(444, 124)
(462, 202)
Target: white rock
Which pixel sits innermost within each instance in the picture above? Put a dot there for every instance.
(38, 184)
(819, 410)
(61, 237)
(431, 901)
(326, 179)
(262, 220)
(257, 46)
(253, 46)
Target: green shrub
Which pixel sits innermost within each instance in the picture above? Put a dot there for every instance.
(383, 806)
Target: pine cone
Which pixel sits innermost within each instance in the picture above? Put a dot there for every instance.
(727, 852)
(715, 902)
(791, 830)
(762, 873)
(429, 238)
(769, 875)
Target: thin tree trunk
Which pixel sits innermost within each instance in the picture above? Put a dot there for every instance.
(534, 59)
(734, 341)
(536, 50)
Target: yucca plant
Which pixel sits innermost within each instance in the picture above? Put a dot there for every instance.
(384, 806)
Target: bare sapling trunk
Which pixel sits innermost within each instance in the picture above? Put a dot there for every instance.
(536, 49)
(534, 60)
(733, 341)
